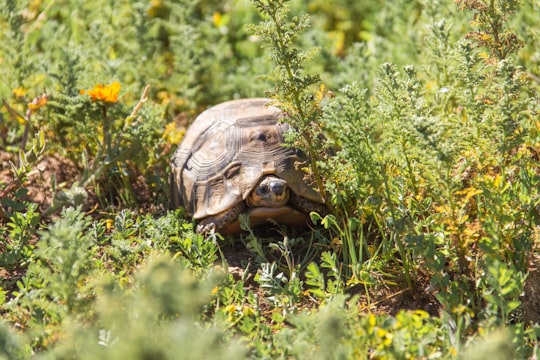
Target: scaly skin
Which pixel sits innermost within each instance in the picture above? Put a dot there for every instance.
(221, 220)
(307, 206)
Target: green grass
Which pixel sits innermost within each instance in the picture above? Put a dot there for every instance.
(421, 120)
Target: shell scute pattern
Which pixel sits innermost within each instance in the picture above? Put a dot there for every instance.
(225, 153)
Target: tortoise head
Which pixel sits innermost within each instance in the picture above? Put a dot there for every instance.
(271, 191)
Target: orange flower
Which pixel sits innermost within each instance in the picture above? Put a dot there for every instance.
(38, 102)
(105, 93)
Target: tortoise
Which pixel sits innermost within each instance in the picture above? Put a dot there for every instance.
(232, 160)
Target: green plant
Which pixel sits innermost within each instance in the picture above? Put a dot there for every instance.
(11, 346)
(491, 18)
(282, 290)
(17, 247)
(501, 291)
(293, 85)
(13, 192)
(56, 284)
(118, 150)
(20, 217)
(321, 287)
(167, 299)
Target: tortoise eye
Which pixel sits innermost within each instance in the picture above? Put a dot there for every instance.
(264, 188)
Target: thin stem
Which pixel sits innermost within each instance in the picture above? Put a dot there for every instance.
(107, 134)
(24, 139)
(396, 239)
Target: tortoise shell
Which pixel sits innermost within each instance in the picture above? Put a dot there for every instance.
(225, 153)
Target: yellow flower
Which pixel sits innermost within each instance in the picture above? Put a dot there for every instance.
(248, 311)
(19, 92)
(468, 193)
(173, 134)
(105, 93)
(372, 320)
(38, 103)
(109, 223)
(217, 19)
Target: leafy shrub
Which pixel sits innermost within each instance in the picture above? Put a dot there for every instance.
(166, 300)
(404, 169)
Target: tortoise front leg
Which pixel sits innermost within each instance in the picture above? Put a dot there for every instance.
(221, 220)
(307, 206)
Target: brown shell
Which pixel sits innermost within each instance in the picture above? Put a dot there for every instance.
(226, 151)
